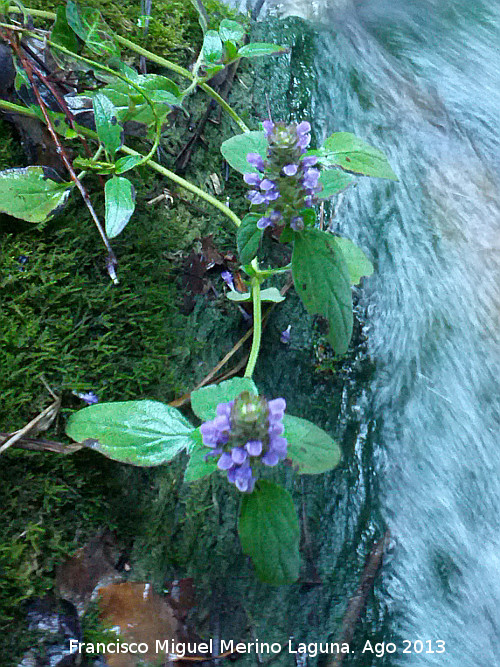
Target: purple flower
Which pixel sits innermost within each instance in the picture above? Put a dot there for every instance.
(309, 161)
(256, 197)
(255, 159)
(290, 169)
(264, 222)
(268, 126)
(266, 185)
(88, 397)
(285, 335)
(297, 223)
(303, 128)
(227, 277)
(245, 433)
(311, 178)
(252, 178)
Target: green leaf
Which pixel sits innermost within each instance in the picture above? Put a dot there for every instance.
(126, 163)
(248, 238)
(310, 449)
(204, 401)
(231, 31)
(269, 294)
(357, 262)
(110, 133)
(89, 25)
(32, 193)
(142, 433)
(347, 151)
(212, 46)
(235, 150)
(119, 196)
(231, 52)
(333, 182)
(62, 33)
(269, 532)
(202, 14)
(321, 279)
(197, 467)
(261, 49)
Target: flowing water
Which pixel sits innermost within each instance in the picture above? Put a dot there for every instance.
(419, 79)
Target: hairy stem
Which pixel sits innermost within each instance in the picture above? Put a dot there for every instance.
(257, 327)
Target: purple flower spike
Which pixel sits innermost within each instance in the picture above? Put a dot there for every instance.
(256, 160)
(246, 432)
(290, 169)
(227, 277)
(268, 126)
(252, 178)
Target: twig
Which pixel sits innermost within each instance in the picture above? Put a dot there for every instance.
(41, 445)
(358, 601)
(48, 415)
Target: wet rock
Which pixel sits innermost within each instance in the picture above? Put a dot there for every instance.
(56, 623)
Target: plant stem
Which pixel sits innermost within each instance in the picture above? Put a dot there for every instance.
(257, 327)
(153, 58)
(15, 108)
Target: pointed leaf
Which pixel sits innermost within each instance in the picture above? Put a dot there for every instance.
(261, 49)
(204, 401)
(321, 279)
(142, 433)
(357, 262)
(248, 238)
(355, 155)
(212, 46)
(125, 163)
(62, 33)
(32, 194)
(119, 196)
(231, 31)
(110, 133)
(333, 182)
(197, 467)
(310, 449)
(89, 25)
(269, 532)
(235, 150)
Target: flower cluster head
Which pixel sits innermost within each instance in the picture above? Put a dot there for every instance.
(287, 181)
(246, 432)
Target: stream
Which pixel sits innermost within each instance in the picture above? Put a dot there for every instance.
(417, 406)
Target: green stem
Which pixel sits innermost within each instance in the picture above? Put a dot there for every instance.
(257, 327)
(155, 59)
(15, 108)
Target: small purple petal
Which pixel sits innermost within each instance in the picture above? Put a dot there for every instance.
(252, 179)
(304, 140)
(285, 335)
(264, 222)
(89, 397)
(275, 216)
(309, 161)
(278, 445)
(276, 429)
(256, 198)
(209, 434)
(227, 277)
(272, 195)
(270, 459)
(256, 160)
(225, 462)
(254, 447)
(290, 169)
(297, 223)
(311, 178)
(239, 455)
(267, 184)
(224, 409)
(276, 409)
(303, 128)
(268, 126)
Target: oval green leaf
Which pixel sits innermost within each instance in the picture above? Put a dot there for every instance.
(357, 262)
(126, 163)
(269, 532)
(235, 150)
(32, 194)
(353, 154)
(261, 49)
(204, 401)
(248, 238)
(322, 282)
(333, 182)
(109, 131)
(212, 46)
(142, 433)
(197, 467)
(119, 195)
(231, 31)
(310, 449)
